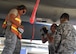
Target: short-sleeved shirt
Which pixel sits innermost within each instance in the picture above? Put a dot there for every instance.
(13, 11)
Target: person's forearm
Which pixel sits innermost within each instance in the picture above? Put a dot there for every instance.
(12, 19)
(14, 22)
(44, 39)
(50, 37)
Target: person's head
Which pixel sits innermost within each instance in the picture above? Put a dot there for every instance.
(64, 17)
(53, 27)
(21, 9)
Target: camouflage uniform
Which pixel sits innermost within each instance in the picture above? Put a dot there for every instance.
(51, 45)
(68, 33)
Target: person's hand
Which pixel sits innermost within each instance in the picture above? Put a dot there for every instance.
(21, 26)
(45, 30)
(21, 29)
(43, 34)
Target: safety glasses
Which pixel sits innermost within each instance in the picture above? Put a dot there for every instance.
(24, 12)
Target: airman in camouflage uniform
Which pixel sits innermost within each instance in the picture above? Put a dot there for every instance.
(68, 35)
(49, 37)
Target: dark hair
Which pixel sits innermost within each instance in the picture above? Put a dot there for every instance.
(21, 7)
(55, 25)
(65, 15)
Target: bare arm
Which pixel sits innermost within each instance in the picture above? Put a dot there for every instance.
(12, 19)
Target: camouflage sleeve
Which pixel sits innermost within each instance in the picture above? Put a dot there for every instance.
(65, 30)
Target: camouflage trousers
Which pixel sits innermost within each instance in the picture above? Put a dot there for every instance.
(51, 49)
(12, 43)
(68, 52)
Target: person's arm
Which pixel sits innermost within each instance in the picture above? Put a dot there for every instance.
(50, 37)
(12, 19)
(12, 15)
(65, 31)
(44, 39)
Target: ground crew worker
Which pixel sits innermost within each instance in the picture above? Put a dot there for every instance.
(14, 30)
(49, 37)
(68, 36)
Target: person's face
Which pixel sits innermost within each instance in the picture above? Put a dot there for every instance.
(62, 20)
(53, 29)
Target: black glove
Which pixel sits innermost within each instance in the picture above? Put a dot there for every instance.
(43, 34)
(45, 30)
